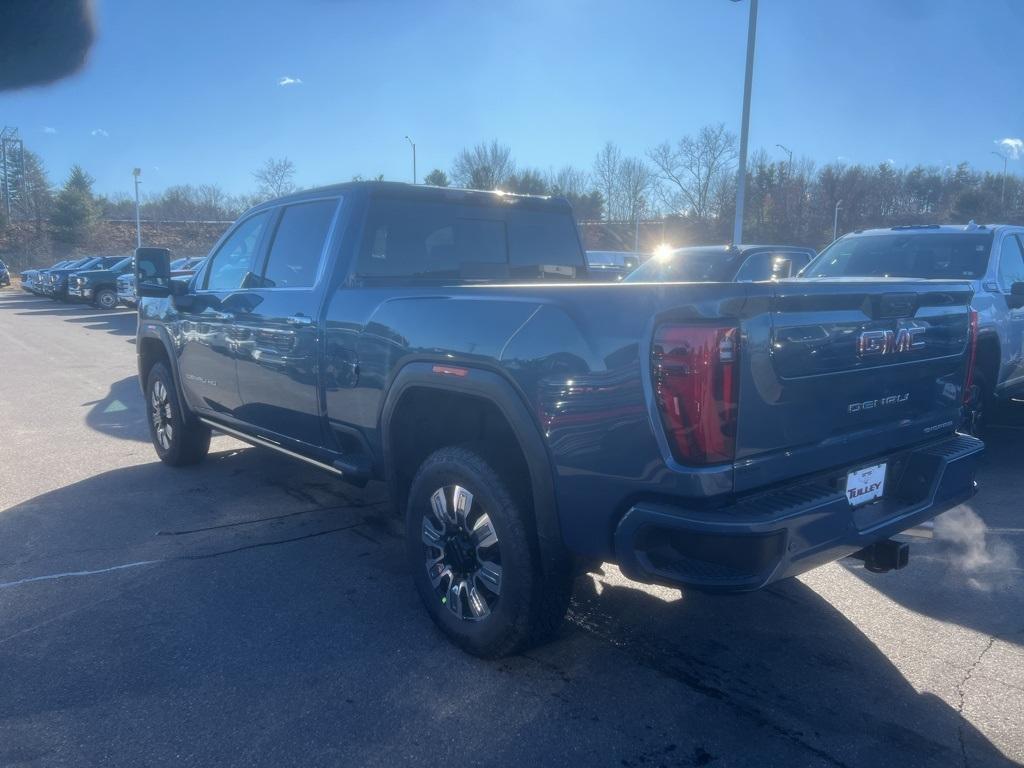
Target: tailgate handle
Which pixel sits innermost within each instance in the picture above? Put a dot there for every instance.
(896, 305)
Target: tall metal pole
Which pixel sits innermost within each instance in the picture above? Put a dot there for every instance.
(1002, 194)
(136, 172)
(413, 145)
(789, 152)
(741, 179)
(835, 221)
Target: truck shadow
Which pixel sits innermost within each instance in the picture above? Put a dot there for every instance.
(276, 606)
(121, 413)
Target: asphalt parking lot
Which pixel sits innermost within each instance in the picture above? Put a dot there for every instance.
(254, 611)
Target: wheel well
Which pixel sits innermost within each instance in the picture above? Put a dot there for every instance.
(426, 419)
(151, 351)
(988, 359)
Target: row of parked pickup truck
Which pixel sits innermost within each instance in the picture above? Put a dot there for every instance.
(710, 421)
(102, 281)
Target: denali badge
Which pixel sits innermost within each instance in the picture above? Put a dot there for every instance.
(887, 342)
(869, 404)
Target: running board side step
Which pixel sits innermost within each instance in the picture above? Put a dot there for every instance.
(355, 471)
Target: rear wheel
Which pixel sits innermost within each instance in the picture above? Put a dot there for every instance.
(474, 558)
(979, 407)
(106, 298)
(178, 437)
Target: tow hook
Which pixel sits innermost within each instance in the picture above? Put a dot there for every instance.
(884, 556)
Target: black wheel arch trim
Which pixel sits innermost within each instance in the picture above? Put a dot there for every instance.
(149, 330)
(495, 389)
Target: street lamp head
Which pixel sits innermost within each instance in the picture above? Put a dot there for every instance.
(136, 172)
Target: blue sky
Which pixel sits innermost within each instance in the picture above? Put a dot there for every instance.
(189, 91)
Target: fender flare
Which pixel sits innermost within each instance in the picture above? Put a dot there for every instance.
(492, 387)
(151, 330)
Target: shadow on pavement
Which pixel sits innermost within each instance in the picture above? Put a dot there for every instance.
(972, 573)
(120, 322)
(275, 624)
(121, 412)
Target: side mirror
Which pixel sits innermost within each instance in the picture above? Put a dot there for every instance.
(1015, 299)
(153, 272)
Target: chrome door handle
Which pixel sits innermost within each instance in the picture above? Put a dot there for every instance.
(300, 320)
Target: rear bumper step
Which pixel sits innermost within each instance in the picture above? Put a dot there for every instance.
(790, 530)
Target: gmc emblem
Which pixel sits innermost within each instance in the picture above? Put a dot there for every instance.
(871, 343)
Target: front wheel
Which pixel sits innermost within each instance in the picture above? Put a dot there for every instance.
(106, 298)
(474, 558)
(179, 438)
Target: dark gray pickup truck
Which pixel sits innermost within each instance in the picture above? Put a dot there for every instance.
(719, 436)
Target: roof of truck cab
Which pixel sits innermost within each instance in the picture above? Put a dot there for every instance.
(737, 250)
(931, 229)
(423, 191)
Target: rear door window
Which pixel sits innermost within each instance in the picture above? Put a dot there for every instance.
(757, 267)
(294, 257)
(1011, 263)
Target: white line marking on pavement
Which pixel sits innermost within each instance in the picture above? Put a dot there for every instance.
(70, 574)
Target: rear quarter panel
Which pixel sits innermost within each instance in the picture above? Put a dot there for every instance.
(576, 354)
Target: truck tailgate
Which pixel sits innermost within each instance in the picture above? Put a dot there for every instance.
(839, 371)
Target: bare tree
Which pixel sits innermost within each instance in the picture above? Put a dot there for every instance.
(485, 166)
(635, 183)
(607, 166)
(568, 181)
(275, 177)
(693, 169)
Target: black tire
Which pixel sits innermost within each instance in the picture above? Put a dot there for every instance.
(105, 298)
(978, 413)
(529, 605)
(179, 438)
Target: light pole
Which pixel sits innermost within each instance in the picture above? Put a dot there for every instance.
(790, 153)
(741, 181)
(835, 221)
(413, 145)
(1002, 194)
(136, 172)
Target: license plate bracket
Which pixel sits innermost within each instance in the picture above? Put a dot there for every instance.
(865, 484)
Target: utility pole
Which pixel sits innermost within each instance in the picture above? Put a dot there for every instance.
(789, 168)
(136, 172)
(835, 221)
(1002, 194)
(741, 180)
(413, 145)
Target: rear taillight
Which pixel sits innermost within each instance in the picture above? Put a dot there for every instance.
(694, 369)
(972, 355)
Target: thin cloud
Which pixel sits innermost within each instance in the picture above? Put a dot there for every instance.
(1013, 147)
(98, 132)
(49, 129)
(286, 80)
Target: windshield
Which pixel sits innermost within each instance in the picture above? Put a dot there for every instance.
(122, 264)
(931, 256)
(686, 265)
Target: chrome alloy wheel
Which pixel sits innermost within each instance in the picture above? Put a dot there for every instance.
(462, 556)
(160, 413)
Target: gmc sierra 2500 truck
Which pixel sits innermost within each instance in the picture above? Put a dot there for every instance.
(719, 436)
